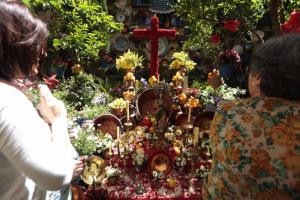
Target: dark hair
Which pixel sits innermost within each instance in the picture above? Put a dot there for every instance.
(23, 38)
(277, 62)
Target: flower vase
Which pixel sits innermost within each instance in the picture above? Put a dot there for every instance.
(178, 84)
(129, 84)
(182, 71)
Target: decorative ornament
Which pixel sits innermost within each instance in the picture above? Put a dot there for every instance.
(182, 62)
(154, 34)
(94, 171)
(129, 61)
(214, 79)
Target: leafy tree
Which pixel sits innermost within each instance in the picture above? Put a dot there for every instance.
(205, 17)
(78, 28)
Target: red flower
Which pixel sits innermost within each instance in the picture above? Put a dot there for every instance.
(51, 82)
(293, 24)
(232, 25)
(147, 122)
(216, 38)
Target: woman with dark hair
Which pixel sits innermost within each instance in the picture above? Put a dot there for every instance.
(35, 152)
(256, 141)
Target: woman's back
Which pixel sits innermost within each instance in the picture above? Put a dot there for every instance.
(256, 148)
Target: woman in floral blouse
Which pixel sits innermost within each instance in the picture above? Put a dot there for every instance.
(256, 141)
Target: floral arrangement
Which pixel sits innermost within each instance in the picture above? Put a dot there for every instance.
(104, 142)
(118, 104)
(177, 77)
(129, 95)
(152, 81)
(139, 157)
(157, 175)
(129, 61)
(181, 60)
(79, 90)
(129, 77)
(209, 95)
(112, 172)
(202, 172)
(86, 142)
(180, 161)
(182, 98)
(100, 99)
(193, 102)
(229, 56)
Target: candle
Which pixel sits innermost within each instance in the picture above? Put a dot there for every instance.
(190, 110)
(118, 133)
(196, 136)
(118, 140)
(127, 110)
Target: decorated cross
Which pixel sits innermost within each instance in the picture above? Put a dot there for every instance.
(154, 34)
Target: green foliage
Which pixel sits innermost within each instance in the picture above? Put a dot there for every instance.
(78, 29)
(79, 90)
(85, 143)
(205, 17)
(93, 111)
(208, 94)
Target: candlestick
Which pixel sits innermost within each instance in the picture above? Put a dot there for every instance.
(127, 110)
(196, 136)
(190, 111)
(118, 140)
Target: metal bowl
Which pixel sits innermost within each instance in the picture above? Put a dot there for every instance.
(108, 124)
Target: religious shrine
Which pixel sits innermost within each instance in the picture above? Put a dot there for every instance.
(155, 141)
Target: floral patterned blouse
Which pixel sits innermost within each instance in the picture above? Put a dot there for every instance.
(256, 150)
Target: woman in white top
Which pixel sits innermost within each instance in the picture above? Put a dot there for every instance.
(34, 152)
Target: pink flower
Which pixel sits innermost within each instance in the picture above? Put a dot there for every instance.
(215, 38)
(232, 25)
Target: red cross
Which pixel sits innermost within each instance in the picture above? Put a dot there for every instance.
(154, 34)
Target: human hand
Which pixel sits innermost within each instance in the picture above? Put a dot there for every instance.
(50, 107)
(79, 166)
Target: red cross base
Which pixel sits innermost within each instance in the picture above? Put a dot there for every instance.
(154, 34)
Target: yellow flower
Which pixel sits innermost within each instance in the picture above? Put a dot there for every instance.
(129, 77)
(177, 77)
(77, 68)
(181, 59)
(129, 95)
(152, 80)
(194, 103)
(118, 104)
(129, 60)
(138, 84)
(182, 98)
